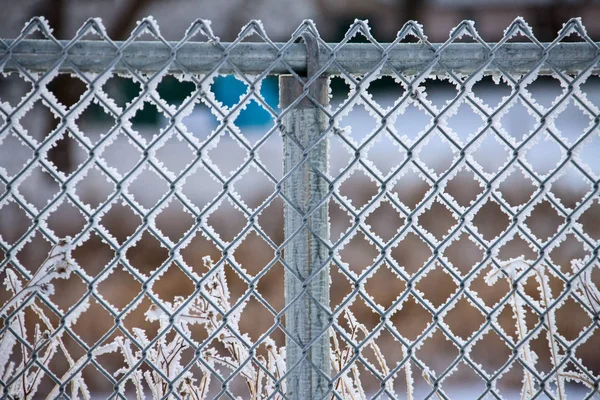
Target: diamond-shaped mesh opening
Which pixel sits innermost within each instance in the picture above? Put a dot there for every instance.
(93, 255)
(255, 311)
(465, 122)
(544, 155)
(95, 188)
(492, 92)
(437, 220)
(122, 90)
(489, 294)
(147, 254)
(436, 285)
(14, 88)
(573, 121)
(410, 188)
(253, 253)
(253, 120)
(118, 287)
(590, 220)
(517, 188)
(360, 123)
(198, 247)
(491, 352)
(67, 89)
(385, 91)
(39, 188)
(491, 153)
(172, 282)
(571, 187)
(517, 247)
(176, 154)
(569, 249)
(545, 90)
(439, 91)
(66, 220)
(385, 221)
(122, 155)
(464, 253)
(437, 352)
(464, 188)
(359, 189)
(358, 253)
(148, 118)
(121, 221)
(491, 220)
(544, 221)
(228, 155)
(200, 187)
(148, 187)
(464, 319)
(20, 154)
(518, 121)
(411, 121)
(38, 121)
(254, 187)
(174, 221)
(578, 319)
(95, 121)
(227, 221)
(385, 153)
(175, 91)
(385, 286)
(229, 90)
(93, 323)
(436, 153)
(411, 253)
(77, 154)
(201, 122)
(464, 376)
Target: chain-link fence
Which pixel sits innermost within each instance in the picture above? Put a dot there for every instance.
(409, 220)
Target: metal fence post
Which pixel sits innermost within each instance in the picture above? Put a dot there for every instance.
(308, 365)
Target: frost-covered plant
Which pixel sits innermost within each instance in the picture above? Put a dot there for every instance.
(24, 375)
(517, 272)
(24, 363)
(349, 384)
(165, 354)
(206, 310)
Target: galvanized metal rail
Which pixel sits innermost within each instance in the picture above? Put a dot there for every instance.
(256, 58)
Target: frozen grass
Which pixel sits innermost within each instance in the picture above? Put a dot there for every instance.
(262, 367)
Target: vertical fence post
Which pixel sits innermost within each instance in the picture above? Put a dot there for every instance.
(309, 364)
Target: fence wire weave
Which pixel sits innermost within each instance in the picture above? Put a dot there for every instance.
(199, 345)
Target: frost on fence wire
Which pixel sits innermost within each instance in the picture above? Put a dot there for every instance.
(463, 214)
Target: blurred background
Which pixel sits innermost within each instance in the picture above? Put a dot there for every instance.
(333, 19)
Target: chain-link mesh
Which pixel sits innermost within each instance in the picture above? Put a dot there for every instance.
(461, 240)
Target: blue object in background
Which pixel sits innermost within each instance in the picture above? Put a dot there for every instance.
(229, 90)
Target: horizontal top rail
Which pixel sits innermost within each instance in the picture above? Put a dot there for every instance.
(256, 58)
